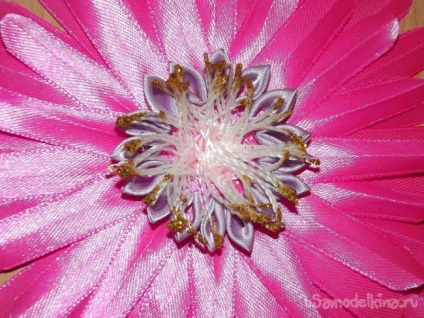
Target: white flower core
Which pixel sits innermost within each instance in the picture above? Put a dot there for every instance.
(204, 156)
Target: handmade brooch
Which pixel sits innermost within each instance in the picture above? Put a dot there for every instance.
(288, 185)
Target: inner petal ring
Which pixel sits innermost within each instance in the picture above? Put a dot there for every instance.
(214, 153)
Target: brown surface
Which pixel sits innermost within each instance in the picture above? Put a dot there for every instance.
(413, 19)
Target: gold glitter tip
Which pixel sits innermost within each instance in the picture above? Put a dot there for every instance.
(177, 224)
(287, 192)
(276, 225)
(176, 81)
(127, 120)
(242, 210)
(132, 146)
(278, 104)
(198, 236)
(315, 162)
(157, 84)
(152, 197)
(217, 238)
(246, 212)
(297, 140)
(162, 115)
(249, 197)
(238, 69)
(126, 170)
(248, 180)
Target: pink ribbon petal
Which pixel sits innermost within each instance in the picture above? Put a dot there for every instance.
(63, 65)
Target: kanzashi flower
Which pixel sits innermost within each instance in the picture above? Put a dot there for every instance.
(214, 153)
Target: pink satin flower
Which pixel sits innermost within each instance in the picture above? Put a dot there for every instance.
(90, 251)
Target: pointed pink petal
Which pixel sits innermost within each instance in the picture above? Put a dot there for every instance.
(30, 84)
(290, 284)
(8, 207)
(356, 159)
(410, 185)
(147, 21)
(347, 112)
(384, 33)
(63, 65)
(211, 281)
(180, 28)
(363, 198)
(379, 8)
(44, 171)
(13, 147)
(139, 241)
(244, 11)
(79, 128)
(258, 28)
(172, 281)
(65, 219)
(338, 65)
(61, 284)
(15, 75)
(124, 46)
(307, 53)
(78, 309)
(219, 20)
(18, 284)
(9, 61)
(312, 21)
(12, 144)
(413, 133)
(404, 60)
(251, 298)
(342, 283)
(408, 118)
(409, 235)
(367, 251)
(59, 10)
(13, 8)
(140, 277)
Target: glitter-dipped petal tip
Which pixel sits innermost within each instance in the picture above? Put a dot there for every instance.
(214, 152)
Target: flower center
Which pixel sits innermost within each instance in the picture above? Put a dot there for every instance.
(212, 162)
